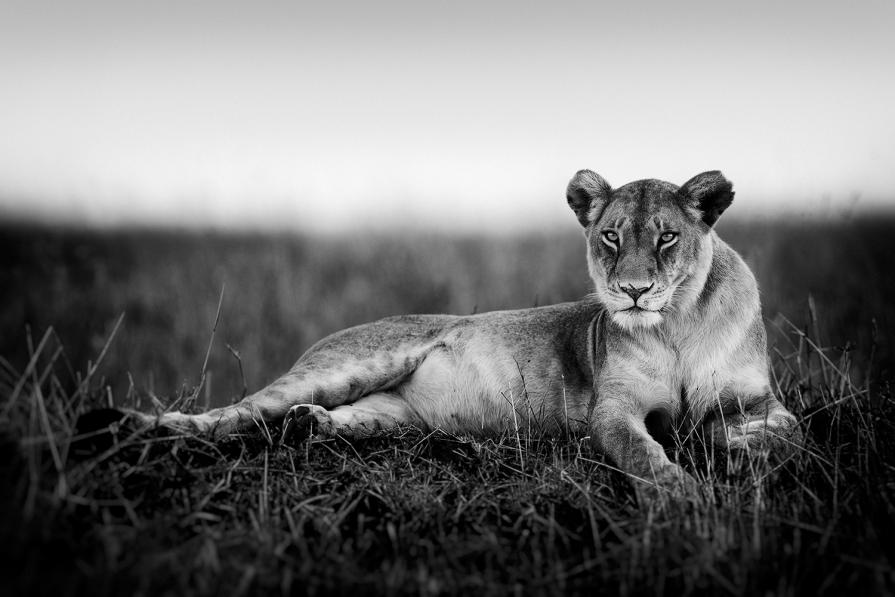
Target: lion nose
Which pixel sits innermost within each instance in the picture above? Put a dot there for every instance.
(635, 293)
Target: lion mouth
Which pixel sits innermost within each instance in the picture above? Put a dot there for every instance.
(636, 317)
(636, 309)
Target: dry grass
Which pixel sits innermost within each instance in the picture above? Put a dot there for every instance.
(414, 513)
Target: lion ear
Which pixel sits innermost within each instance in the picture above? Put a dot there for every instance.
(587, 195)
(710, 193)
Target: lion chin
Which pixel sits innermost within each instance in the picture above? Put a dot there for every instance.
(632, 319)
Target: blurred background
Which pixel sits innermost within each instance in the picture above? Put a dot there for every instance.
(330, 163)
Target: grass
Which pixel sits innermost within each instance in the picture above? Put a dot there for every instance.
(411, 513)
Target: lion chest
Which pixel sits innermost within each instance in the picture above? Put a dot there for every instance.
(660, 375)
(706, 369)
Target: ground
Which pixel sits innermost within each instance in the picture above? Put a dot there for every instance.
(413, 513)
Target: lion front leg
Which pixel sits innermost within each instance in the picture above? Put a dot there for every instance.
(755, 428)
(620, 432)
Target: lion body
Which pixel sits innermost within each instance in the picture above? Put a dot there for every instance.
(674, 329)
(488, 372)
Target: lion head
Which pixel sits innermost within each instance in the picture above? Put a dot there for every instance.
(649, 243)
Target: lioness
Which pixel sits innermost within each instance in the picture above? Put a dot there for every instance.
(673, 330)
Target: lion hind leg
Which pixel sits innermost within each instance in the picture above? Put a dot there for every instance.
(336, 381)
(367, 416)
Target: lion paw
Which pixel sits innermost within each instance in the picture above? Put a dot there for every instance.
(749, 446)
(670, 485)
(306, 421)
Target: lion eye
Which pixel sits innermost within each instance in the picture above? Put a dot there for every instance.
(667, 238)
(610, 237)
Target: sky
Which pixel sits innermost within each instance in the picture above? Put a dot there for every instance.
(449, 115)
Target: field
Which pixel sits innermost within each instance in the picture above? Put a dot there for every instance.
(132, 317)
